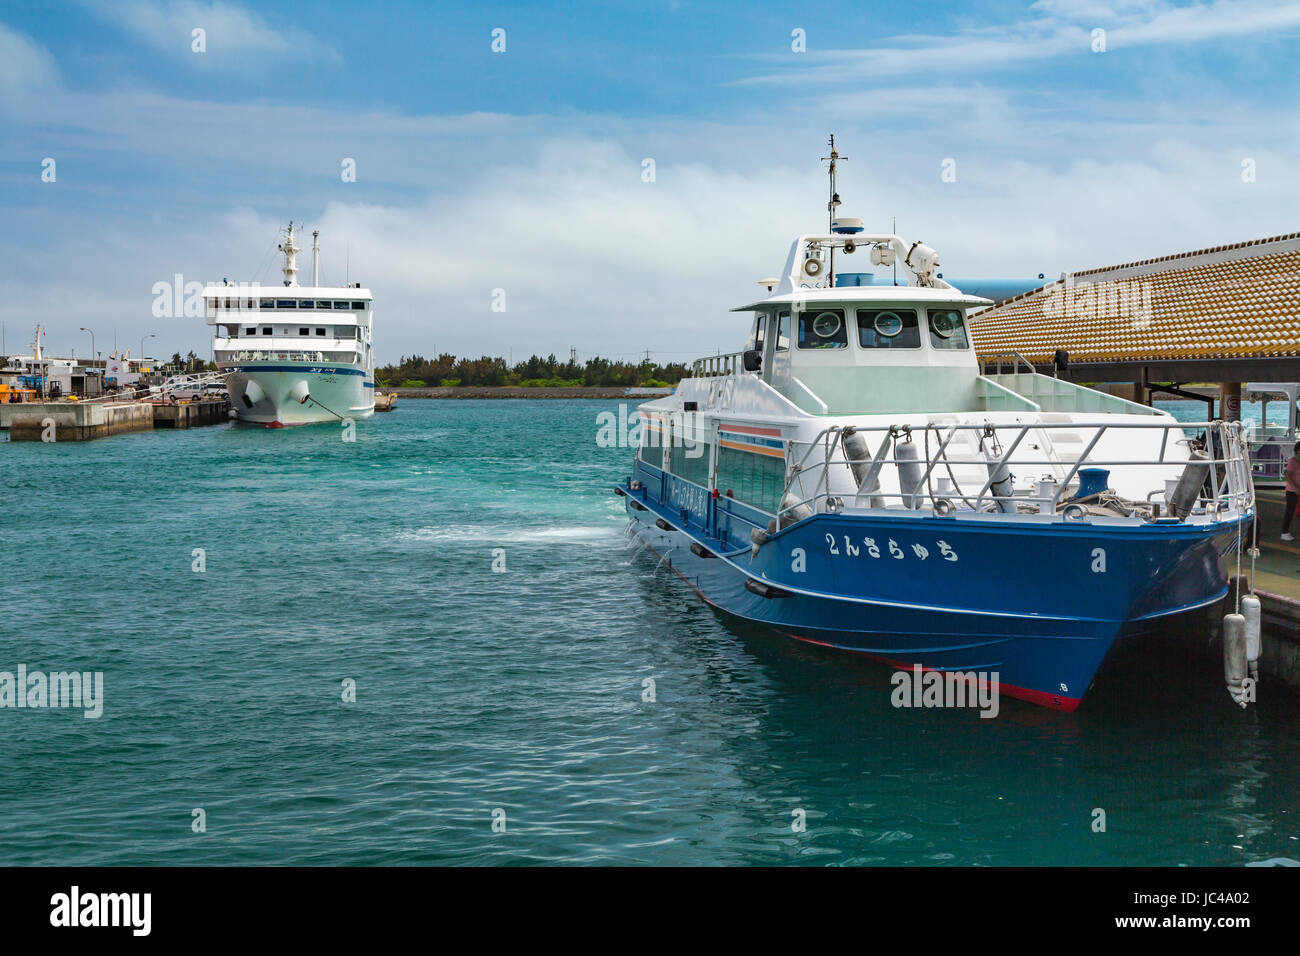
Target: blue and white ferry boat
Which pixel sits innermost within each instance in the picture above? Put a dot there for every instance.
(294, 355)
(853, 480)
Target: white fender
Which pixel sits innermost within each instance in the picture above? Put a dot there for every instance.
(299, 392)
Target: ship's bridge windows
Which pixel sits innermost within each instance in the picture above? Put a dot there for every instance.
(358, 306)
(346, 332)
(888, 329)
(266, 303)
(783, 332)
(320, 304)
(342, 305)
(948, 329)
(823, 329)
(757, 334)
(307, 304)
(286, 303)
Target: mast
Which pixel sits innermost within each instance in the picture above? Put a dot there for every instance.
(315, 258)
(290, 257)
(832, 201)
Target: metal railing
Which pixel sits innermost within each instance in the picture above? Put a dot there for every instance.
(1227, 463)
(273, 355)
(713, 365)
(1015, 359)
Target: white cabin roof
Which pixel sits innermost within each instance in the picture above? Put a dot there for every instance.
(282, 292)
(866, 293)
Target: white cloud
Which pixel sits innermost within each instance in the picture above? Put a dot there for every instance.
(1054, 29)
(234, 34)
(24, 65)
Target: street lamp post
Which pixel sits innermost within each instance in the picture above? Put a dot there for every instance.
(92, 344)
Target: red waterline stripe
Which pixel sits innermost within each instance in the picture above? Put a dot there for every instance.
(1041, 698)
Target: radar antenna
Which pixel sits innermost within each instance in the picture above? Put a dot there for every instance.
(831, 203)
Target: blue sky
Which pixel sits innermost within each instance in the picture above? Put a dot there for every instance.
(522, 170)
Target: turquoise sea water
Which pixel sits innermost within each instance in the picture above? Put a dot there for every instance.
(523, 691)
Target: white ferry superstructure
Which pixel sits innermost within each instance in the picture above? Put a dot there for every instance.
(294, 355)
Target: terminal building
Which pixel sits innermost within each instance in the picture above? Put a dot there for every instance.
(1227, 315)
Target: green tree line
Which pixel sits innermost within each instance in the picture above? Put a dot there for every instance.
(449, 371)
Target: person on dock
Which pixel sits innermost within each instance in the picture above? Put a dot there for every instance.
(1292, 492)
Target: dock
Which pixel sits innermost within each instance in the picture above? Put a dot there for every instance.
(85, 421)
(1277, 585)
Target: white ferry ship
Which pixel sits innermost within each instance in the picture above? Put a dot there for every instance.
(296, 355)
(851, 478)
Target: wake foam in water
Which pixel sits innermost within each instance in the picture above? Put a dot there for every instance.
(497, 533)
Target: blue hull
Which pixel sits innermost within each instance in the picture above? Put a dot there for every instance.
(1040, 604)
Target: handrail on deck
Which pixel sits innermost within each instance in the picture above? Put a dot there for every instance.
(713, 365)
(1226, 451)
(1015, 358)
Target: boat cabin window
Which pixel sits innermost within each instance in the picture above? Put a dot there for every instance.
(948, 329)
(252, 331)
(888, 329)
(266, 330)
(823, 329)
(758, 333)
(304, 331)
(307, 304)
(266, 304)
(320, 331)
(286, 303)
(358, 306)
(783, 332)
(340, 305)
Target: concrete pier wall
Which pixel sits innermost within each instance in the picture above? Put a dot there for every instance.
(74, 421)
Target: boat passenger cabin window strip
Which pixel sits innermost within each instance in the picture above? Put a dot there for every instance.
(690, 460)
(888, 329)
(823, 329)
(651, 452)
(948, 330)
(755, 479)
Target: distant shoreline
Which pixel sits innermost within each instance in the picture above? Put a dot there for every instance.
(514, 391)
